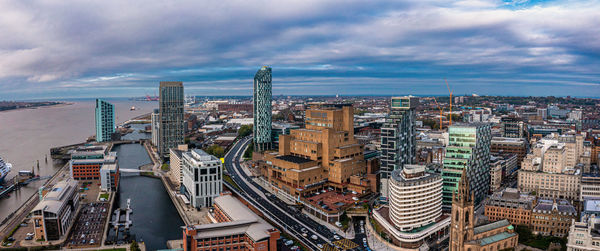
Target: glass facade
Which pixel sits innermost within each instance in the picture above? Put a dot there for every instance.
(105, 120)
(171, 122)
(398, 140)
(468, 148)
(262, 109)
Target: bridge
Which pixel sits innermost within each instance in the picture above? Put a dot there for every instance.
(129, 170)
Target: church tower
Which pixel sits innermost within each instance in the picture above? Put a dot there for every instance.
(461, 228)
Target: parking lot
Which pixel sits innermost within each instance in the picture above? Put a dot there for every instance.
(89, 225)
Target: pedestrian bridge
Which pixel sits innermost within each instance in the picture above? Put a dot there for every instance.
(129, 170)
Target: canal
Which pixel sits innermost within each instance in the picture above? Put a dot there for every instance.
(155, 219)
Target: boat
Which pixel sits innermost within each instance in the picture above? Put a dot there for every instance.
(132, 108)
(4, 169)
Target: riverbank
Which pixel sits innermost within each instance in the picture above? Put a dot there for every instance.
(12, 106)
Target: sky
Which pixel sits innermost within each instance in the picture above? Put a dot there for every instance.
(115, 48)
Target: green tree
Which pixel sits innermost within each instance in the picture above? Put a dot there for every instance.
(249, 151)
(244, 131)
(134, 246)
(215, 150)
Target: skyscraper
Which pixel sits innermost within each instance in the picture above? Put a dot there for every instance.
(398, 138)
(155, 125)
(105, 120)
(468, 148)
(262, 109)
(171, 125)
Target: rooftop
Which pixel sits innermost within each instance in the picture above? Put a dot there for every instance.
(293, 159)
(496, 238)
(491, 226)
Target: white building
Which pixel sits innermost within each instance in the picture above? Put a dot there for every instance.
(585, 235)
(109, 176)
(202, 179)
(155, 123)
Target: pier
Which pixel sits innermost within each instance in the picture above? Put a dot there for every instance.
(117, 222)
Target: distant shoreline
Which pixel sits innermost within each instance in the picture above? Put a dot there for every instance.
(36, 105)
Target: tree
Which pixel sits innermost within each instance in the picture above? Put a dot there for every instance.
(249, 151)
(244, 131)
(215, 150)
(134, 246)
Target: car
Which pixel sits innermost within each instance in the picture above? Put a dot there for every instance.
(289, 242)
(29, 238)
(23, 224)
(364, 239)
(314, 237)
(10, 238)
(304, 234)
(339, 224)
(295, 248)
(320, 246)
(30, 234)
(92, 241)
(336, 237)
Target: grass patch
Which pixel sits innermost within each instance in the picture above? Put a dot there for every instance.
(165, 167)
(229, 180)
(104, 196)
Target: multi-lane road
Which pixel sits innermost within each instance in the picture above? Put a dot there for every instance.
(312, 234)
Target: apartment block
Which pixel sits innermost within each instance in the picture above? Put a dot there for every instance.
(175, 173)
(398, 138)
(171, 117)
(262, 109)
(512, 127)
(105, 120)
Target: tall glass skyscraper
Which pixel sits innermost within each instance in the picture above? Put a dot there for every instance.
(468, 148)
(171, 127)
(105, 120)
(398, 138)
(262, 109)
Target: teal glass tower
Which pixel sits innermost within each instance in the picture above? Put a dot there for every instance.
(468, 148)
(262, 109)
(105, 120)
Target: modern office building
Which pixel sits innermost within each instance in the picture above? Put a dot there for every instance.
(398, 138)
(516, 146)
(590, 186)
(202, 177)
(465, 235)
(171, 125)
(552, 217)
(87, 162)
(262, 109)
(512, 205)
(512, 127)
(55, 213)
(155, 127)
(468, 149)
(109, 176)
(502, 166)
(325, 153)
(584, 235)
(235, 227)
(105, 120)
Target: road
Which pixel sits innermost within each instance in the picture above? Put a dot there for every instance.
(288, 218)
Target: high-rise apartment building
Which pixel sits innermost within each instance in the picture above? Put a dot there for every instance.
(469, 149)
(171, 125)
(262, 109)
(398, 141)
(155, 125)
(202, 178)
(105, 120)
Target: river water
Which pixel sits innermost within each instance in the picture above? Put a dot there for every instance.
(26, 135)
(155, 219)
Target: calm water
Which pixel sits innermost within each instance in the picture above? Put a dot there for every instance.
(27, 135)
(155, 219)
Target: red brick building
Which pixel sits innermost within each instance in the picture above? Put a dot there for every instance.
(236, 227)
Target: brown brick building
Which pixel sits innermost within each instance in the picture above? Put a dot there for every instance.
(516, 146)
(552, 217)
(511, 205)
(325, 153)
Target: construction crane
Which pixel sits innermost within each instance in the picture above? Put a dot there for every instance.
(449, 91)
(441, 112)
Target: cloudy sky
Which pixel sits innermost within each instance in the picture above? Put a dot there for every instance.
(73, 48)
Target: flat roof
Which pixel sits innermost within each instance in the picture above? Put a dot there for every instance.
(293, 159)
